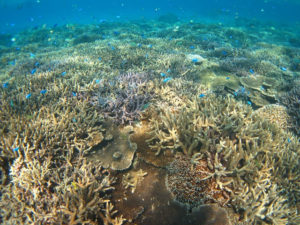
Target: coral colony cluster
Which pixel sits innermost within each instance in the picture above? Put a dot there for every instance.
(125, 98)
(94, 128)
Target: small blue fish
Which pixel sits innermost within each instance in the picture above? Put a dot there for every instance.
(44, 91)
(224, 53)
(249, 103)
(195, 60)
(169, 70)
(192, 47)
(32, 56)
(97, 81)
(243, 90)
(28, 96)
(16, 149)
(37, 64)
(64, 73)
(13, 62)
(283, 68)
(162, 74)
(201, 95)
(227, 78)
(167, 79)
(74, 94)
(99, 58)
(150, 46)
(33, 71)
(251, 71)
(5, 85)
(112, 48)
(289, 140)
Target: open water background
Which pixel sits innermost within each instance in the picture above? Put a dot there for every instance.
(21, 14)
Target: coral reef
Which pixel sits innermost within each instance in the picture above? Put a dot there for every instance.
(68, 93)
(118, 154)
(190, 181)
(234, 155)
(276, 114)
(49, 180)
(133, 178)
(123, 98)
(291, 101)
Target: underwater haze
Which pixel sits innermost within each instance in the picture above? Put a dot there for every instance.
(134, 112)
(29, 13)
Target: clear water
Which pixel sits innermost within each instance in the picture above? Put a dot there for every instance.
(16, 14)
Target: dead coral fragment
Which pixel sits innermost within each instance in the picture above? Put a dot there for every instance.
(132, 179)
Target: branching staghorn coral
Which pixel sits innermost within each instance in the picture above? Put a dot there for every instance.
(76, 193)
(246, 157)
(194, 125)
(49, 179)
(126, 97)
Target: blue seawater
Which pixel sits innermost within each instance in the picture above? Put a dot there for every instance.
(18, 14)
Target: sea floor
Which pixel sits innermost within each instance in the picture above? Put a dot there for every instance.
(150, 122)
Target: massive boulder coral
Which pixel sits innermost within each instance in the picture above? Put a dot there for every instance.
(239, 154)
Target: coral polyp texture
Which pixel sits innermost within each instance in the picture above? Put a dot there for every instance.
(231, 157)
(191, 182)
